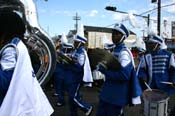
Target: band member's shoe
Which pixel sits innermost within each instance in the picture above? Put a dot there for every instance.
(55, 94)
(59, 104)
(88, 113)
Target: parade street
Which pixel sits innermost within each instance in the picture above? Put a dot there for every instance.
(90, 95)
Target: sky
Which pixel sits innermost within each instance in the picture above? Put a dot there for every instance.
(56, 16)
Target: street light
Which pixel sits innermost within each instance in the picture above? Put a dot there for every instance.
(153, 1)
(114, 9)
(111, 8)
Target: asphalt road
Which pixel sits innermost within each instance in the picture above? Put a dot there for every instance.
(90, 95)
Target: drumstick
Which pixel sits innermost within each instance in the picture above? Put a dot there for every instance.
(148, 86)
(164, 82)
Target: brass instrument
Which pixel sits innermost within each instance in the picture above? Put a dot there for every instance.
(39, 44)
(61, 57)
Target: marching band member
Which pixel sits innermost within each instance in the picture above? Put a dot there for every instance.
(61, 73)
(115, 90)
(97, 75)
(158, 66)
(81, 73)
(20, 92)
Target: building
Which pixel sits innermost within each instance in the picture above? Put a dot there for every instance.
(171, 42)
(95, 36)
(173, 29)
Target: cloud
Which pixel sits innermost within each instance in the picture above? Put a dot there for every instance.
(116, 1)
(62, 12)
(171, 8)
(103, 16)
(119, 16)
(133, 11)
(93, 13)
(169, 18)
(68, 13)
(42, 11)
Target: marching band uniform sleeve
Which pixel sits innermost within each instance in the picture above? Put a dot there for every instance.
(8, 59)
(79, 59)
(7, 62)
(142, 71)
(172, 68)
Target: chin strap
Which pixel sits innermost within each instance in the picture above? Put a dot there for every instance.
(154, 49)
(122, 39)
(78, 45)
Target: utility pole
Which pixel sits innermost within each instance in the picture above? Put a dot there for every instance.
(76, 18)
(158, 16)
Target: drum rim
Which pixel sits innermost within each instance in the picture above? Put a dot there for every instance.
(153, 101)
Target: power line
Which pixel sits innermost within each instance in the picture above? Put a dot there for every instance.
(157, 8)
(145, 12)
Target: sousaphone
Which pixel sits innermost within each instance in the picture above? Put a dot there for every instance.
(39, 44)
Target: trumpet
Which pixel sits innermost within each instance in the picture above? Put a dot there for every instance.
(64, 58)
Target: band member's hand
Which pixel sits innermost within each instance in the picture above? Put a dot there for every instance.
(104, 78)
(173, 85)
(69, 56)
(144, 79)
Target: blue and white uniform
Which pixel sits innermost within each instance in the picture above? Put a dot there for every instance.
(157, 66)
(117, 82)
(79, 58)
(24, 95)
(120, 86)
(77, 72)
(8, 57)
(61, 75)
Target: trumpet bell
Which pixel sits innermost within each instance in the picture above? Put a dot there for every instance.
(64, 58)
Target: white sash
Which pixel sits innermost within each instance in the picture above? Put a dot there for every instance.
(25, 97)
(148, 62)
(87, 77)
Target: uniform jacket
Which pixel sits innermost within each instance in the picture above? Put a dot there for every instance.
(78, 67)
(116, 88)
(157, 67)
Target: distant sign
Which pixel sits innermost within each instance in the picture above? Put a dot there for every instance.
(173, 28)
(166, 29)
